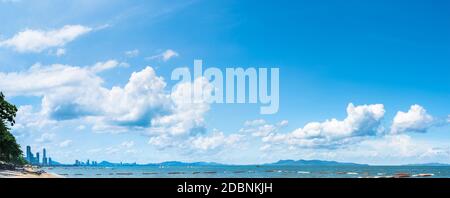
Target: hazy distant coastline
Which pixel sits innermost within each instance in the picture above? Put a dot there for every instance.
(300, 162)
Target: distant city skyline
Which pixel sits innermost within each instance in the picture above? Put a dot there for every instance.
(36, 160)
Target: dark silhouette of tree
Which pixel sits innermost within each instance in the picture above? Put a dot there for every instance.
(9, 149)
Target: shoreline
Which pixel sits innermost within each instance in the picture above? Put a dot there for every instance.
(27, 172)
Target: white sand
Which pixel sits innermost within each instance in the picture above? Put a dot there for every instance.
(27, 173)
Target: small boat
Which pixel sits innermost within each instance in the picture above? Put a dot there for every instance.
(423, 175)
(401, 175)
(149, 173)
(124, 173)
(210, 172)
(175, 173)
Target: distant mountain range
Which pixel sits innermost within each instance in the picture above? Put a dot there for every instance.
(313, 163)
(168, 163)
(279, 163)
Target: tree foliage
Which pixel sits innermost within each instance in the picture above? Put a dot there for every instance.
(9, 149)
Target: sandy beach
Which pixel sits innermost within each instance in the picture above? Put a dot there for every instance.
(27, 173)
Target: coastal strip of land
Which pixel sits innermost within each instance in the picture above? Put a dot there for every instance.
(27, 173)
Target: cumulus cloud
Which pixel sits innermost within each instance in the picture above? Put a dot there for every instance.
(184, 127)
(141, 99)
(415, 120)
(36, 41)
(41, 79)
(68, 92)
(29, 118)
(187, 110)
(214, 141)
(142, 104)
(363, 120)
(71, 92)
(164, 56)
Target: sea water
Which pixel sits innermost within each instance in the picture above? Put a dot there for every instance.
(247, 171)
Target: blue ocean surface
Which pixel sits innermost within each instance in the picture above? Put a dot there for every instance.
(250, 171)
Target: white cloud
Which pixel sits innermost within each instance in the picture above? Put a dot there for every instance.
(415, 120)
(132, 53)
(28, 118)
(45, 138)
(65, 143)
(141, 99)
(378, 150)
(250, 123)
(363, 120)
(38, 40)
(60, 52)
(70, 92)
(142, 104)
(260, 128)
(186, 117)
(110, 64)
(396, 149)
(165, 56)
(41, 80)
(214, 141)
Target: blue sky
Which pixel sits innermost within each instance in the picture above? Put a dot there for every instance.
(330, 54)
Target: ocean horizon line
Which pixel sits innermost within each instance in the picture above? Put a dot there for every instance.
(285, 162)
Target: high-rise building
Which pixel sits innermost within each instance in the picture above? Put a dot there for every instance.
(44, 157)
(29, 156)
(37, 161)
